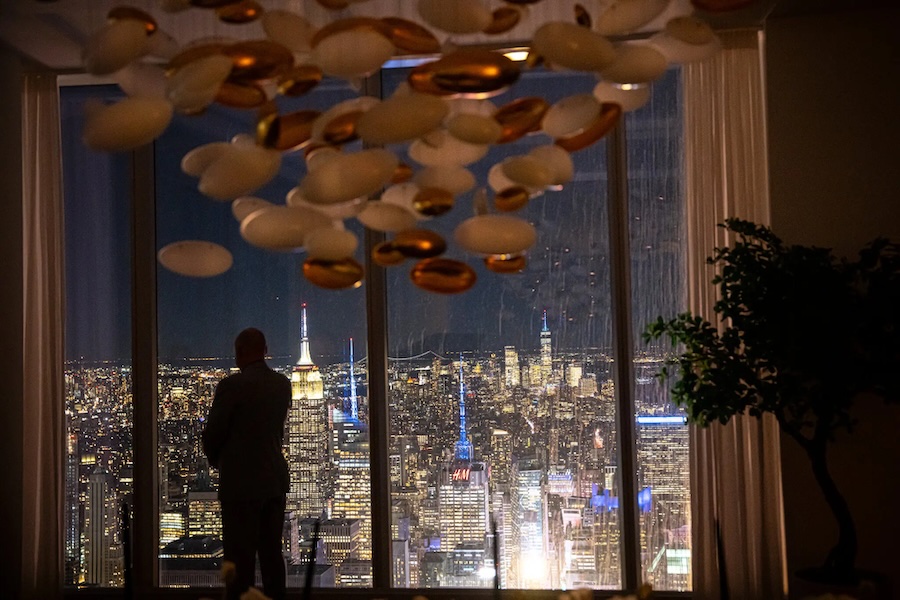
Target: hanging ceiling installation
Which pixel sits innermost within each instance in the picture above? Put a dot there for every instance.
(181, 56)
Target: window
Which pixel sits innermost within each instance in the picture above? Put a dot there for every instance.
(503, 437)
(317, 338)
(502, 416)
(99, 461)
(656, 211)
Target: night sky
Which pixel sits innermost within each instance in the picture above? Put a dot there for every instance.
(568, 272)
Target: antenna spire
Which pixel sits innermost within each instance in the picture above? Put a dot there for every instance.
(305, 356)
(463, 446)
(354, 405)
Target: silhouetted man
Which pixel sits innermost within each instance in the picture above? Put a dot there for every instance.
(243, 439)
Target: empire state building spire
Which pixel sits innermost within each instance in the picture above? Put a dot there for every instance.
(305, 357)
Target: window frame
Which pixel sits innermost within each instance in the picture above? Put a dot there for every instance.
(145, 522)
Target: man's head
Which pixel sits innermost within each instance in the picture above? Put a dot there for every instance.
(249, 346)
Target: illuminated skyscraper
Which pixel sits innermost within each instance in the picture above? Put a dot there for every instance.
(73, 524)
(501, 459)
(463, 516)
(307, 438)
(204, 514)
(404, 461)
(573, 375)
(529, 558)
(341, 540)
(352, 491)
(102, 551)
(463, 445)
(546, 352)
(354, 401)
(463, 506)
(662, 452)
(352, 484)
(355, 573)
(171, 526)
(510, 367)
(607, 548)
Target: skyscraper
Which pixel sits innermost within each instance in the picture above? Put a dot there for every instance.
(501, 459)
(307, 438)
(546, 352)
(510, 367)
(665, 518)
(463, 445)
(463, 506)
(204, 514)
(102, 551)
(352, 491)
(73, 525)
(172, 526)
(354, 401)
(352, 488)
(341, 540)
(529, 558)
(463, 516)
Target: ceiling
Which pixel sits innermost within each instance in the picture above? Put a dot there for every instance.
(52, 33)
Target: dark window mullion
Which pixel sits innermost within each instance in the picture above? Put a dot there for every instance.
(379, 423)
(623, 352)
(143, 373)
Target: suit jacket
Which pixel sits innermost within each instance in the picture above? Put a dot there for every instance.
(245, 431)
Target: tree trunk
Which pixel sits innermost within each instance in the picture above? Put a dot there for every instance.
(842, 558)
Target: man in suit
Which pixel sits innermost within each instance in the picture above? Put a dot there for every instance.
(243, 439)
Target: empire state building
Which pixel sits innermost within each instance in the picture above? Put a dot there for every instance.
(307, 438)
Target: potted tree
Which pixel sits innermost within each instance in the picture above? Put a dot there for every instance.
(802, 336)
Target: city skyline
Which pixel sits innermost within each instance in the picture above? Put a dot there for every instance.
(516, 462)
(526, 359)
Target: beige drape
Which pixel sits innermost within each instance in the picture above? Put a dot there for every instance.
(43, 424)
(735, 469)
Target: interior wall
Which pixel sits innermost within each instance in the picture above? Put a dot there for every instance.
(834, 132)
(11, 389)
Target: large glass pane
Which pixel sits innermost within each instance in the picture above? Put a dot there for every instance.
(656, 207)
(311, 336)
(502, 410)
(99, 461)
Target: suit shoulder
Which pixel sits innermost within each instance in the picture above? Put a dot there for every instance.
(284, 381)
(275, 378)
(229, 381)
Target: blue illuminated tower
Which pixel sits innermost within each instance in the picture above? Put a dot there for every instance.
(463, 446)
(354, 405)
(463, 508)
(352, 484)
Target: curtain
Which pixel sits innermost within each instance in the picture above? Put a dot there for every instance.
(736, 471)
(43, 290)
